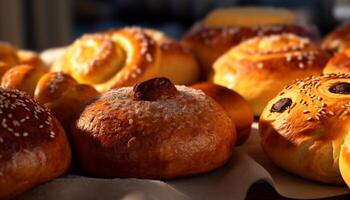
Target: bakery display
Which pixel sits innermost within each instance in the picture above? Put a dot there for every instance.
(236, 107)
(33, 145)
(339, 63)
(23, 77)
(152, 130)
(63, 96)
(127, 56)
(303, 127)
(260, 67)
(337, 40)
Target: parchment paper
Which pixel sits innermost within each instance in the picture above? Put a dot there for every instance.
(232, 181)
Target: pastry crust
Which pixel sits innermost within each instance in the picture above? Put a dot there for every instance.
(33, 145)
(303, 128)
(260, 67)
(339, 63)
(337, 40)
(154, 130)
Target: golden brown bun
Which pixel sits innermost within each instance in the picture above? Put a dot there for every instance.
(236, 107)
(337, 40)
(302, 129)
(209, 43)
(63, 96)
(3, 68)
(249, 16)
(259, 68)
(23, 78)
(8, 54)
(344, 160)
(126, 56)
(339, 63)
(30, 58)
(154, 130)
(33, 145)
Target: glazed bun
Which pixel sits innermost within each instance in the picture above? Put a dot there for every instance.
(303, 128)
(126, 56)
(236, 107)
(153, 130)
(339, 63)
(208, 43)
(249, 16)
(259, 68)
(33, 145)
(63, 96)
(344, 160)
(23, 78)
(337, 40)
(30, 58)
(8, 54)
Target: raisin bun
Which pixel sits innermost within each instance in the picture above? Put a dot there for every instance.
(304, 126)
(33, 145)
(339, 63)
(152, 130)
(338, 40)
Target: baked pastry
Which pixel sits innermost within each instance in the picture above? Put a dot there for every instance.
(23, 78)
(303, 127)
(237, 16)
(209, 43)
(344, 162)
(127, 56)
(63, 96)
(337, 40)
(8, 54)
(339, 63)
(260, 67)
(30, 58)
(153, 130)
(33, 145)
(236, 107)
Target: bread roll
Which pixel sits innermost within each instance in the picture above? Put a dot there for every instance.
(236, 107)
(259, 68)
(23, 78)
(339, 63)
(249, 16)
(8, 54)
(153, 130)
(63, 96)
(209, 43)
(126, 56)
(30, 58)
(337, 40)
(33, 145)
(303, 127)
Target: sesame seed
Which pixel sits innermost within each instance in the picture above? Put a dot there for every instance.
(131, 121)
(25, 134)
(16, 134)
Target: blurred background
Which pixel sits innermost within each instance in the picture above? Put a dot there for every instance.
(41, 24)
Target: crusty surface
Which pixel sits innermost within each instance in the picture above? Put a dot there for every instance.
(339, 63)
(63, 96)
(304, 136)
(236, 107)
(130, 132)
(337, 40)
(208, 43)
(33, 145)
(260, 67)
(126, 56)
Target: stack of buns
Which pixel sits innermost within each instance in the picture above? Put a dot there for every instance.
(119, 99)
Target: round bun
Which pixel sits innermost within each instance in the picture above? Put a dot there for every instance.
(237, 16)
(259, 68)
(208, 43)
(236, 107)
(344, 160)
(30, 58)
(302, 129)
(63, 96)
(23, 78)
(33, 145)
(8, 54)
(126, 56)
(338, 40)
(339, 63)
(153, 130)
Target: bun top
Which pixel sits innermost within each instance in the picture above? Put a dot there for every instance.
(315, 103)
(24, 124)
(337, 40)
(8, 54)
(153, 106)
